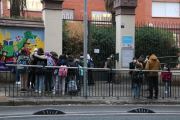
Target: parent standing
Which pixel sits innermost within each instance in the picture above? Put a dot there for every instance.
(153, 64)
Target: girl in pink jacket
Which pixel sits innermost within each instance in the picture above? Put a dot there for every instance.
(166, 77)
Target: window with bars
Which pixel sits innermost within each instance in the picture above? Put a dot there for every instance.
(31, 4)
(101, 16)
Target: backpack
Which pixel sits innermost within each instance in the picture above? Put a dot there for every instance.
(81, 71)
(49, 62)
(72, 87)
(40, 69)
(90, 64)
(63, 71)
(21, 69)
(137, 77)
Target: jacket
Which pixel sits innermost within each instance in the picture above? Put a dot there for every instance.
(24, 58)
(166, 77)
(131, 66)
(72, 71)
(153, 64)
(40, 57)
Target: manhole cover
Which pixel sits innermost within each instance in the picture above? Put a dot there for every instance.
(49, 111)
(141, 110)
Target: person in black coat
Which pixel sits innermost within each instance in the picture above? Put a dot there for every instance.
(40, 59)
(132, 66)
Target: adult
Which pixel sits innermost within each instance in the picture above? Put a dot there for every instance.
(24, 76)
(132, 66)
(40, 59)
(111, 65)
(153, 64)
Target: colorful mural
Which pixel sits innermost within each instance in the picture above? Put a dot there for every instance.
(15, 39)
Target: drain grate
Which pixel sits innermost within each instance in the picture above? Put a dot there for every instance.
(49, 111)
(141, 110)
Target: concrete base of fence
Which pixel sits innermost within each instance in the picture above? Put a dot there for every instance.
(7, 77)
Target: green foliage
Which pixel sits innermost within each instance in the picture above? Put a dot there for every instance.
(64, 35)
(103, 38)
(160, 41)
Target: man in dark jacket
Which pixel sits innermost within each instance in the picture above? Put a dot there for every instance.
(132, 66)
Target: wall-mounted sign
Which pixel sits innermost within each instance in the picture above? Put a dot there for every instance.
(127, 57)
(96, 50)
(122, 25)
(127, 41)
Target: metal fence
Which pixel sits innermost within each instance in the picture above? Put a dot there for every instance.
(101, 83)
(101, 38)
(162, 39)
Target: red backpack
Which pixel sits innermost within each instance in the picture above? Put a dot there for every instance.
(63, 71)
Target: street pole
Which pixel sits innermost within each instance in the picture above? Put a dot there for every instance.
(1, 8)
(85, 48)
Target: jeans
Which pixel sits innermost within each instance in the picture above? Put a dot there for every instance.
(39, 82)
(55, 79)
(17, 75)
(166, 87)
(48, 80)
(137, 87)
(153, 81)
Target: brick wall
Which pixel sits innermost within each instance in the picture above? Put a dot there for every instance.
(76, 5)
(144, 13)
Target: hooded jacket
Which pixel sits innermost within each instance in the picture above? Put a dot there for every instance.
(153, 64)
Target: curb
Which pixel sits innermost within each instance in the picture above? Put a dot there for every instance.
(84, 102)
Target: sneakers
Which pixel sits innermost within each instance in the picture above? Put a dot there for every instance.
(63, 93)
(149, 97)
(39, 92)
(36, 91)
(165, 92)
(18, 83)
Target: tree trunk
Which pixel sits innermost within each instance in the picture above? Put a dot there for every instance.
(113, 18)
(14, 8)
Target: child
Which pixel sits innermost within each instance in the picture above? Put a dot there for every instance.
(137, 79)
(166, 77)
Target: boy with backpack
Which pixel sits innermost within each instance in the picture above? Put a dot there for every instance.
(137, 79)
(23, 59)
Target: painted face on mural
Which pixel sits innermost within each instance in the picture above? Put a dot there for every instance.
(15, 49)
(25, 45)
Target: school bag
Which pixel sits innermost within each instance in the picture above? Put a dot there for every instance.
(21, 69)
(40, 69)
(49, 62)
(63, 71)
(137, 76)
(90, 64)
(72, 87)
(81, 71)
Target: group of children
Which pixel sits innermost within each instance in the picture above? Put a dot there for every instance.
(38, 76)
(137, 76)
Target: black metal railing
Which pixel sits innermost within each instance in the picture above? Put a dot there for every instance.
(102, 82)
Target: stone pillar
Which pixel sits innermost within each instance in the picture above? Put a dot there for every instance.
(52, 16)
(125, 26)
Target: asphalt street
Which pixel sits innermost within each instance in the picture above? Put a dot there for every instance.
(91, 112)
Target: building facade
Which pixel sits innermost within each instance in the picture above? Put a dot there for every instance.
(148, 11)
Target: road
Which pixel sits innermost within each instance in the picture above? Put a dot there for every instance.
(91, 113)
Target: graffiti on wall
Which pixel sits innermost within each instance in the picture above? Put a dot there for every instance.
(15, 39)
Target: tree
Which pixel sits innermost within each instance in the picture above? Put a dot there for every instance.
(158, 40)
(17, 6)
(109, 5)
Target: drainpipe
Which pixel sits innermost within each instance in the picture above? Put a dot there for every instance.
(1, 8)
